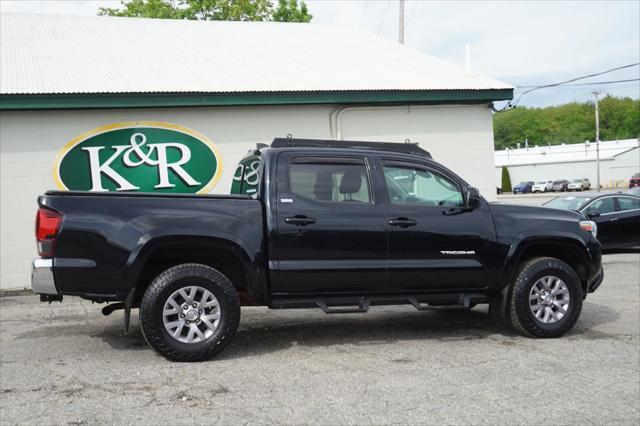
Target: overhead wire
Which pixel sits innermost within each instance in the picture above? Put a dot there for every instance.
(364, 12)
(586, 84)
(513, 104)
(415, 6)
(386, 12)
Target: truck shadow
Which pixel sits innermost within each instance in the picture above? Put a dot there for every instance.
(265, 335)
(262, 331)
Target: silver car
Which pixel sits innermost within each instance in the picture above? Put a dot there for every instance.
(579, 185)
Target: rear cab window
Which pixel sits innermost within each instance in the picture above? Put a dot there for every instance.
(246, 178)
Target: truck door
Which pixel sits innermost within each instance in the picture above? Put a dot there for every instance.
(331, 234)
(434, 244)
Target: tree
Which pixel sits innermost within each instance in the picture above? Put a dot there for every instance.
(569, 123)
(213, 10)
(288, 11)
(506, 180)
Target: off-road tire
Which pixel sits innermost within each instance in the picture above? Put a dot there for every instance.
(163, 286)
(519, 313)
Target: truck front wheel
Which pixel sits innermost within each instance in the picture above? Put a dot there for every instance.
(546, 298)
(190, 312)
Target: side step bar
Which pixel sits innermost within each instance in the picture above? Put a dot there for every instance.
(361, 304)
(362, 307)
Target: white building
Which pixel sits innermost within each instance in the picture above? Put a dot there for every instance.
(619, 160)
(232, 83)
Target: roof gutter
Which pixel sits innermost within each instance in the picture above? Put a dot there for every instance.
(164, 100)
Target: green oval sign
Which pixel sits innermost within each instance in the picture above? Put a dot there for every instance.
(146, 156)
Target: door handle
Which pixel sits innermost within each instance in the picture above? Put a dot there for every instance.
(614, 219)
(403, 222)
(300, 220)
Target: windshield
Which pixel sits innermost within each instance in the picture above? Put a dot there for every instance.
(576, 180)
(557, 182)
(568, 203)
(541, 182)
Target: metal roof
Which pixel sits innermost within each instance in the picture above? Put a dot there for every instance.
(59, 54)
(564, 153)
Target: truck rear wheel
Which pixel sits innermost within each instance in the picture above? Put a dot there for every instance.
(190, 312)
(546, 299)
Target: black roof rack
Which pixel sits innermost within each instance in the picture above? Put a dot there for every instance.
(405, 148)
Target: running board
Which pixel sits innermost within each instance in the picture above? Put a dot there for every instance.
(361, 304)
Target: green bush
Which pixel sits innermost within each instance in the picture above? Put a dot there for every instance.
(506, 180)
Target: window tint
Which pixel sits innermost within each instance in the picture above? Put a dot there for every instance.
(628, 203)
(603, 205)
(408, 185)
(332, 182)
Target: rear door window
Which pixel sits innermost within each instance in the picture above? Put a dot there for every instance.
(628, 203)
(339, 180)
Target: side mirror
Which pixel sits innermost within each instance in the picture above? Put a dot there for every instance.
(472, 198)
(593, 214)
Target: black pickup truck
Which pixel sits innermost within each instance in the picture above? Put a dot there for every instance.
(339, 226)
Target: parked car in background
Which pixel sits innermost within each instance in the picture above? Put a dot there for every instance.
(616, 215)
(579, 185)
(560, 185)
(634, 182)
(523, 187)
(542, 186)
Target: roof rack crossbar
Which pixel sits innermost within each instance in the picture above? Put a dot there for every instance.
(405, 148)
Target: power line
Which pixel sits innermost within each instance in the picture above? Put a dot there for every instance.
(586, 84)
(415, 6)
(364, 12)
(515, 103)
(386, 12)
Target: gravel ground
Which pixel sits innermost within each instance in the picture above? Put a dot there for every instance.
(67, 364)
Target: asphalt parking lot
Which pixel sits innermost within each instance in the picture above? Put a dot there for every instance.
(68, 364)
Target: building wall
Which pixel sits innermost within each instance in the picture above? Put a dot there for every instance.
(614, 172)
(461, 137)
(625, 165)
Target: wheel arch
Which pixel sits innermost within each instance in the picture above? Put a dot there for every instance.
(562, 246)
(231, 258)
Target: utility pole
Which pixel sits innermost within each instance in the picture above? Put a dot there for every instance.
(596, 94)
(401, 22)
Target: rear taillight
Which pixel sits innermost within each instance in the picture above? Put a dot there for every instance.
(47, 227)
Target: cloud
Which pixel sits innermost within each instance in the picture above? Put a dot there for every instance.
(517, 42)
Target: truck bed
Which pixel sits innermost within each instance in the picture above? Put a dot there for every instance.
(104, 237)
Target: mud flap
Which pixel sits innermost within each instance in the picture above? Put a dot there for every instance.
(128, 303)
(498, 305)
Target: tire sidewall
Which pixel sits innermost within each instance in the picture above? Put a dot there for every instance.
(525, 281)
(177, 284)
(154, 300)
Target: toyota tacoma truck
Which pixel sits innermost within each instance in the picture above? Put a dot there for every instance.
(340, 226)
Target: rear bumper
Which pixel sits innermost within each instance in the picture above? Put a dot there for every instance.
(42, 281)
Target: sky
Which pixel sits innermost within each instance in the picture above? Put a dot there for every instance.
(522, 43)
